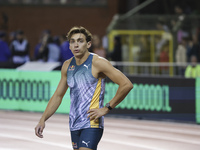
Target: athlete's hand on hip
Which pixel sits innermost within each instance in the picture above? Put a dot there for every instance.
(39, 129)
(94, 114)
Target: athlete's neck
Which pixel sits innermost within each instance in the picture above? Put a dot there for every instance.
(81, 60)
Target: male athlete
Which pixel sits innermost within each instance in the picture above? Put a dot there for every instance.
(84, 74)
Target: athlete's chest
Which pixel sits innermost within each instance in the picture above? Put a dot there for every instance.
(80, 75)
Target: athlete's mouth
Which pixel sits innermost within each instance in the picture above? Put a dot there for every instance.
(76, 50)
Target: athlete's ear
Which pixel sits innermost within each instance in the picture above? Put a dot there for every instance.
(89, 44)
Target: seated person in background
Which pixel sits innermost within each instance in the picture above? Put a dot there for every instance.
(164, 58)
(5, 53)
(20, 49)
(39, 44)
(116, 54)
(49, 51)
(193, 70)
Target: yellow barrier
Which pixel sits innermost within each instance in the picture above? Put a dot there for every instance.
(152, 48)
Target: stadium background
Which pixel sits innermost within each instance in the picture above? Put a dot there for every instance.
(175, 99)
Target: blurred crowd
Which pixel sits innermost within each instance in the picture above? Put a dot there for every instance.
(15, 49)
(186, 43)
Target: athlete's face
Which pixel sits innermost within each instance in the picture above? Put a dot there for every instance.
(78, 44)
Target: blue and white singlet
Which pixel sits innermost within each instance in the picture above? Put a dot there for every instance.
(86, 92)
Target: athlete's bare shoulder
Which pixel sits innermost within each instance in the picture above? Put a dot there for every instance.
(98, 60)
(66, 65)
(101, 65)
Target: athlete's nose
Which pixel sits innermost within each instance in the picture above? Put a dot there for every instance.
(76, 44)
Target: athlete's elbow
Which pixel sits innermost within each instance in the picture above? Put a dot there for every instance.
(129, 86)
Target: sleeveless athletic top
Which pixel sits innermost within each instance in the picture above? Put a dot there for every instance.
(86, 92)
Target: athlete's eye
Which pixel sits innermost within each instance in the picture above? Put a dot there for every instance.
(71, 41)
(81, 41)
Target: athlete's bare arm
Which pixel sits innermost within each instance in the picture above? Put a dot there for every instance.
(101, 68)
(55, 100)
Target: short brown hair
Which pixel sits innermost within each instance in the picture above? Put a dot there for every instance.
(79, 29)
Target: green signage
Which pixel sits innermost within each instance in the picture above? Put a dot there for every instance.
(31, 91)
(142, 97)
(198, 100)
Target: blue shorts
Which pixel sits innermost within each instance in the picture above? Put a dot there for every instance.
(88, 138)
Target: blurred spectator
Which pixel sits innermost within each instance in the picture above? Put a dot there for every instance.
(193, 70)
(181, 57)
(37, 47)
(189, 46)
(53, 51)
(116, 54)
(5, 53)
(65, 51)
(195, 48)
(97, 47)
(164, 38)
(164, 58)
(49, 51)
(181, 25)
(20, 49)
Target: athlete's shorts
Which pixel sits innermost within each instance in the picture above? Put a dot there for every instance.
(88, 138)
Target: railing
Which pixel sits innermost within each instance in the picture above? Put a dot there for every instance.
(151, 68)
